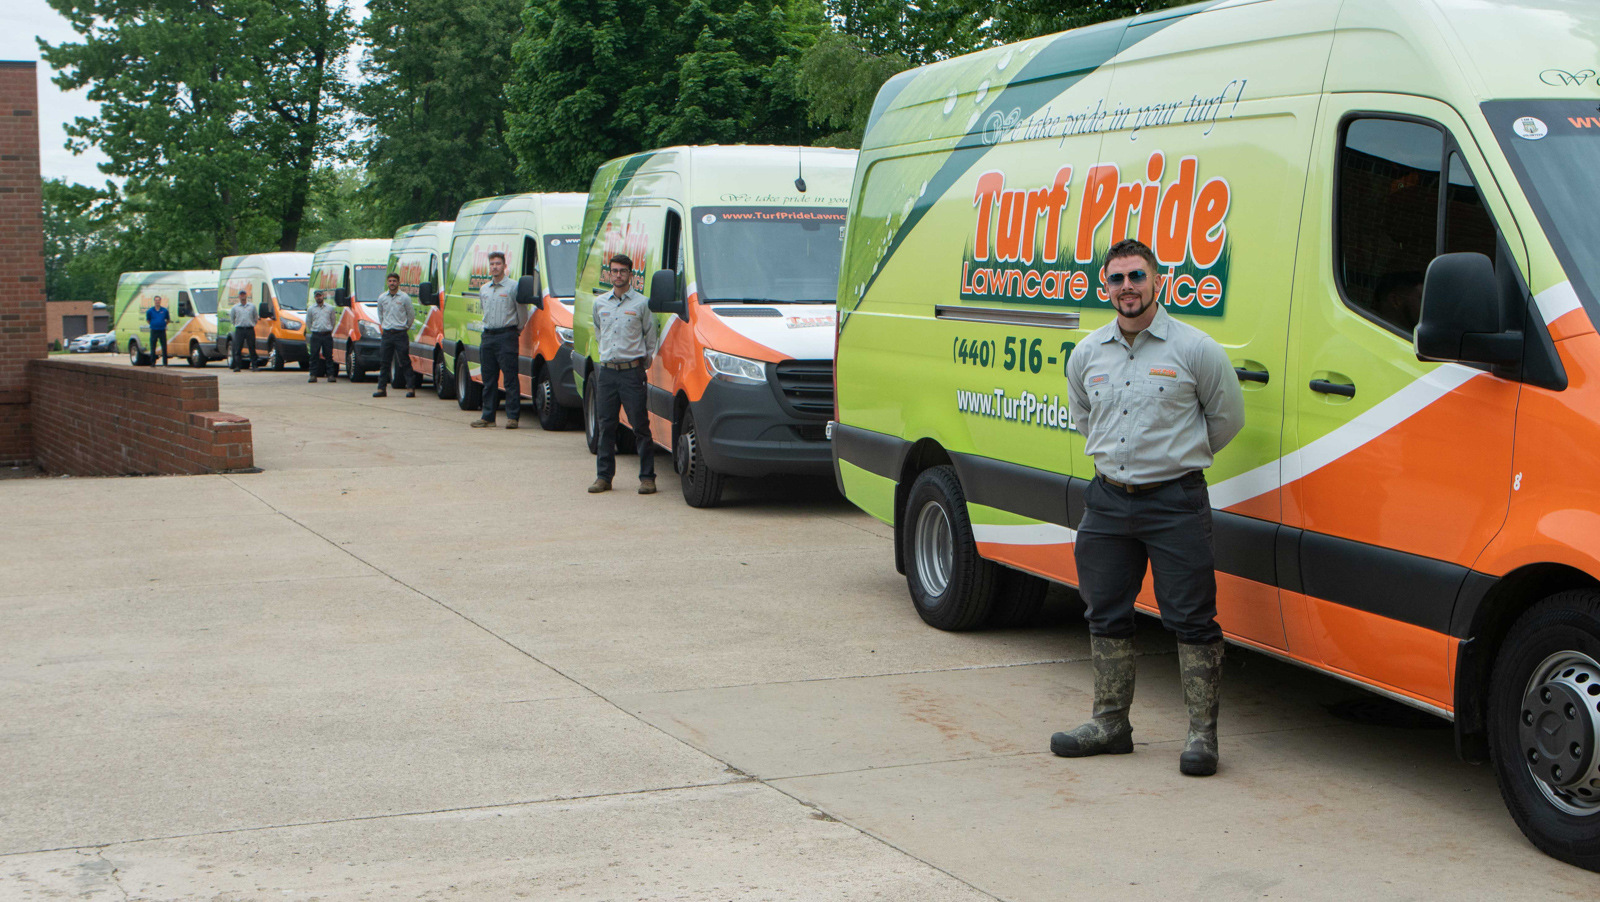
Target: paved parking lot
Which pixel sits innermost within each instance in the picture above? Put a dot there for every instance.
(411, 660)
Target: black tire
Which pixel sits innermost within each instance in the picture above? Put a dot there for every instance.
(443, 385)
(353, 370)
(135, 356)
(969, 583)
(274, 357)
(1018, 599)
(552, 416)
(1541, 658)
(197, 357)
(469, 394)
(702, 486)
(591, 422)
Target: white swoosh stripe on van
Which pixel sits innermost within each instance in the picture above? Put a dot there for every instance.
(1384, 416)
(1556, 301)
(1030, 534)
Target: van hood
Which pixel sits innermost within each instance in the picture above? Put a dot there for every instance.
(778, 331)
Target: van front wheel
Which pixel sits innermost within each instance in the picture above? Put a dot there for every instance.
(951, 586)
(1544, 725)
(352, 364)
(702, 486)
(443, 386)
(197, 357)
(469, 394)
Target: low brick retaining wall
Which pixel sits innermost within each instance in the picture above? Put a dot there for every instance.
(105, 419)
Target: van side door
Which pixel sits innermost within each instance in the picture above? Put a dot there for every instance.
(1396, 471)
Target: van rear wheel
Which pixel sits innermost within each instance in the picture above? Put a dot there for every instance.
(134, 356)
(1018, 599)
(591, 420)
(274, 356)
(702, 486)
(469, 394)
(1544, 725)
(552, 416)
(951, 586)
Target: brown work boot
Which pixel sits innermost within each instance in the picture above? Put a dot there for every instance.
(312, 379)
(511, 424)
(482, 423)
(600, 485)
(647, 485)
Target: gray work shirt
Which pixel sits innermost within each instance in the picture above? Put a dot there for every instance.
(498, 300)
(624, 326)
(321, 318)
(395, 311)
(243, 315)
(1158, 408)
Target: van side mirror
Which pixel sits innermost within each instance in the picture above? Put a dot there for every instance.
(528, 292)
(264, 310)
(184, 307)
(428, 295)
(1463, 314)
(664, 295)
(341, 297)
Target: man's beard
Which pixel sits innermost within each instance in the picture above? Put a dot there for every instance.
(1138, 313)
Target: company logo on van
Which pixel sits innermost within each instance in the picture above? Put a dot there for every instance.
(1027, 248)
(480, 262)
(410, 273)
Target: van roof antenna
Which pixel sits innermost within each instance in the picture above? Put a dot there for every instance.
(800, 171)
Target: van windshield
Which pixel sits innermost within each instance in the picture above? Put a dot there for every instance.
(561, 265)
(768, 254)
(204, 299)
(371, 283)
(1554, 148)
(291, 292)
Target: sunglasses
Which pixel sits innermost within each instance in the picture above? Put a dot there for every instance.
(1134, 277)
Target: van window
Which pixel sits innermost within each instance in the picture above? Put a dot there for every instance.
(204, 299)
(768, 254)
(1405, 197)
(371, 282)
(672, 243)
(291, 292)
(561, 264)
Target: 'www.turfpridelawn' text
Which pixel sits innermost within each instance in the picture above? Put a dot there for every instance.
(1025, 408)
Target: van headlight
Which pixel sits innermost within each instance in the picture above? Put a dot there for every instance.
(729, 368)
(565, 334)
(293, 325)
(370, 330)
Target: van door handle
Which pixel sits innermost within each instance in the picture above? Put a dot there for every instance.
(1245, 375)
(1333, 388)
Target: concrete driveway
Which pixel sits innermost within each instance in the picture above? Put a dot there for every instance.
(412, 660)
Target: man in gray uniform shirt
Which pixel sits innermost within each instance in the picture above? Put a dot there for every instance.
(395, 315)
(497, 345)
(626, 332)
(1155, 399)
(320, 320)
(244, 318)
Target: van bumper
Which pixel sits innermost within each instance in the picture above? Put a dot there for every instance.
(561, 378)
(292, 350)
(745, 431)
(369, 353)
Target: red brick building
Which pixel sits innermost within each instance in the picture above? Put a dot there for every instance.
(22, 310)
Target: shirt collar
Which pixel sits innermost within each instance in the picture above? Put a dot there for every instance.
(1157, 328)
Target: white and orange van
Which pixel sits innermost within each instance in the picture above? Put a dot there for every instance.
(278, 284)
(351, 275)
(419, 254)
(744, 243)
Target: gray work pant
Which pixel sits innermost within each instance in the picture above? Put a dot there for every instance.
(497, 359)
(395, 357)
(1170, 529)
(615, 391)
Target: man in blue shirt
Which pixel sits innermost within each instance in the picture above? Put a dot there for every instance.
(158, 317)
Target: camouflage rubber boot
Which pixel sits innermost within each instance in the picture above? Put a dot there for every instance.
(1200, 668)
(1108, 731)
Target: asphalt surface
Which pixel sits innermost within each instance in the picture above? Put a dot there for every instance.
(412, 660)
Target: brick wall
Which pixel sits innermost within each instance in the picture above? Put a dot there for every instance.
(22, 312)
(106, 419)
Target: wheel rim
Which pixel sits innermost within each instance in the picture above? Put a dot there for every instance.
(194, 356)
(591, 429)
(350, 363)
(547, 397)
(438, 372)
(934, 548)
(133, 354)
(461, 384)
(1558, 731)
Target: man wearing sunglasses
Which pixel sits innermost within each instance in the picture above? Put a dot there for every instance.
(1155, 400)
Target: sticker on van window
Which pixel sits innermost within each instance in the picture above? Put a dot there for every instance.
(555, 242)
(709, 218)
(1530, 128)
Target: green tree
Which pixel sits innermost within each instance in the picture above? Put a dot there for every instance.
(216, 112)
(75, 243)
(434, 104)
(595, 79)
(341, 207)
(1023, 19)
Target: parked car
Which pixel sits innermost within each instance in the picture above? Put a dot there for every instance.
(94, 343)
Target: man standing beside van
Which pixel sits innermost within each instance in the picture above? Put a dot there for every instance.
(497, 348)
(244, 332)
(320, 320)
(1155, 400)
(627, 336)
(158, 317)
(395, 316)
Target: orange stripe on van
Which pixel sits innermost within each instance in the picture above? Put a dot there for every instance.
(1571, 324)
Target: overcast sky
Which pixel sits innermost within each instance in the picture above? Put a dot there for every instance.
(21, 21)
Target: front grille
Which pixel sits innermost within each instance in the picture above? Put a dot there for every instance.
(807, 386)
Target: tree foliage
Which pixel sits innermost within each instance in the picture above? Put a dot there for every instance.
(434, 105)
(216, 112)
(595, 79)
(77, 252)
